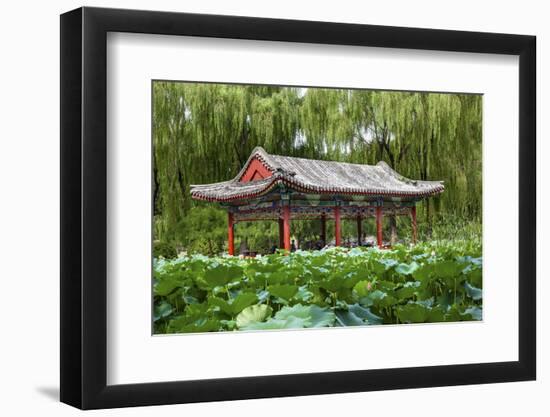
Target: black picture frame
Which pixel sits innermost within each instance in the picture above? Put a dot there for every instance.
(84, 207)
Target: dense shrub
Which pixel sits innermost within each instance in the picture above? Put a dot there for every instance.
(165, 250)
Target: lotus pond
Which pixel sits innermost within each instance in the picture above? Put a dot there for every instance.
(427, 283)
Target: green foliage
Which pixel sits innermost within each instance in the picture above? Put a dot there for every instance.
(203, 133)
(430, 282)
(234, 306)
(285, 291)
(217, 274)
(356, 315)
(203, 230)
(253, 314)
(296, 317)
(162, 310)
(164, 249)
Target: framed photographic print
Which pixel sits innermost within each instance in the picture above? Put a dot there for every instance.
(256, 208)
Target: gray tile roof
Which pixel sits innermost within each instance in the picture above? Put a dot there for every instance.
(318, 177)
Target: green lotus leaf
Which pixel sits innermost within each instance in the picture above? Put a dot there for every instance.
(222, 304)
(474, 276)
(477, 261)
(381, 298)
(445, 301)
(200, 326)
(428, 302)
(319, 273)
(424, 273)
(406, 269)
(382, 265)
(229, 324)
(436, 315)
(189, 299)
(454, 314)
(312, 315)
(303, 294)
(219, 274)
(196, 265)
(284, 291)
(262, 295)
(166, 286)
(253, 314)
(321, 317)
(196, 311)
(447, 269)
(385, 286)
(275, 324)
(242, 301)
(365, 314)
(332, 285)
(235, 305)
(474, 312)
(362, 288)
(195, 319)
(412, 313)
(162, 311)
(408, 290)
(386, 301)
(347, 318)
(366, 301)
(473, 292)
(389, 263)
(284, 275)
(350, 279)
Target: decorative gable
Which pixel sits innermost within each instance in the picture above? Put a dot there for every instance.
(255, 170)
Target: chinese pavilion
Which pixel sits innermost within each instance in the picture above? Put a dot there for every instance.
(284, 188)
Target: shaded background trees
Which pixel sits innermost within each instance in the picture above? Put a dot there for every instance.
(204, 133)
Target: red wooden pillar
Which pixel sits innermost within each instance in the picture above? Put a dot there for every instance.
(230, 234)
(359, 230)
(337, 236)
(281, 234)
(324, 229)
(379, 226)
(413, 223)
(286, 227)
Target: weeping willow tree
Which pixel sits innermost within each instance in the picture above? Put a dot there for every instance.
(423, 136)
(204, 133)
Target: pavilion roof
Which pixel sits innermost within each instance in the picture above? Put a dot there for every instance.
(317, 177)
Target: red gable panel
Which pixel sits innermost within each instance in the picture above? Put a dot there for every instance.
(255, 171)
